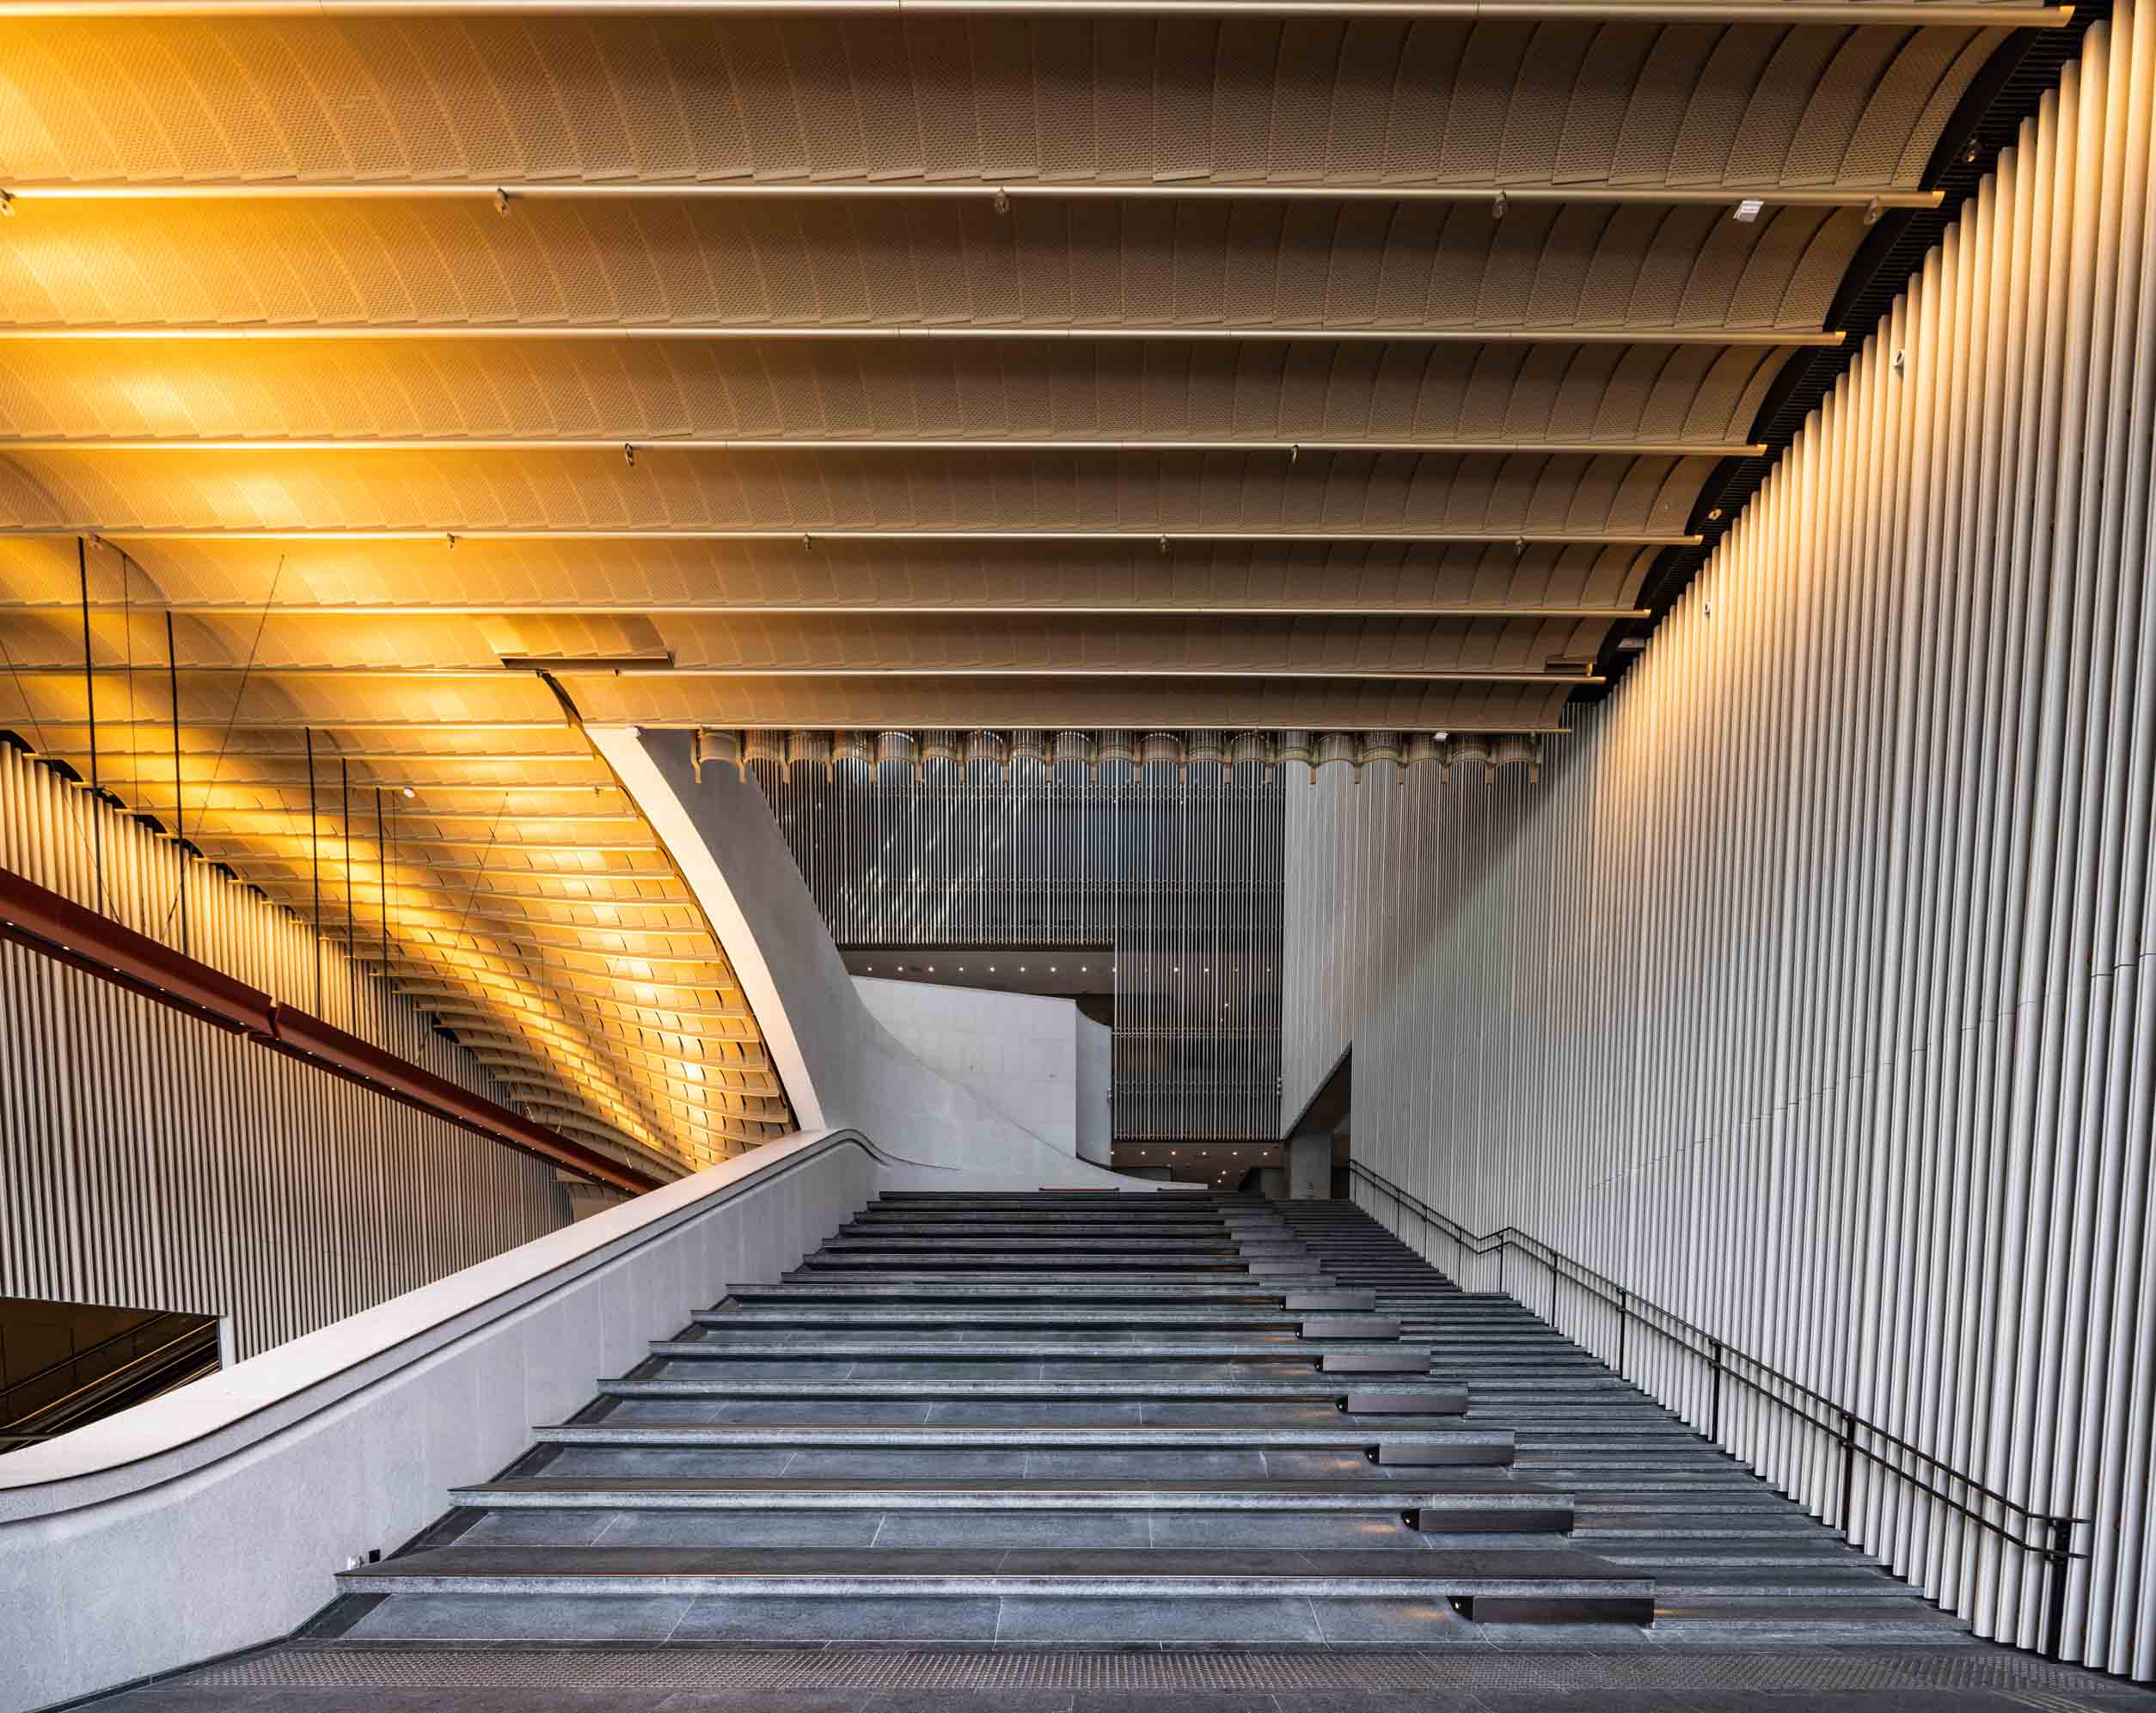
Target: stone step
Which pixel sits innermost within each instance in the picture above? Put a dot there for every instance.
(1137, 1248)
(993, 1263)
(1364, 1398)
(1380, 1444)
(926, 1318)
(1551, 1585)
(1455, 1497)
(1105, 1289)
(1338, 1357)
(1207, 1231)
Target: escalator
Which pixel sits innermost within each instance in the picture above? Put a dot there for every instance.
(150, 1356)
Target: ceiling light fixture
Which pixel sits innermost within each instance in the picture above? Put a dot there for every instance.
(1748, 209)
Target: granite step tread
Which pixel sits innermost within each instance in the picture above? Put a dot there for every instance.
(1373, 1493)
(1108, 1573)
(1444, 1397)
(926, 1316)
(1077, 1345)
(912, 1435)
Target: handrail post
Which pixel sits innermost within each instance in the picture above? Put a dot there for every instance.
(1623, 1323)
(1848, 1473)
(1714, 1391)
(2058, 1554)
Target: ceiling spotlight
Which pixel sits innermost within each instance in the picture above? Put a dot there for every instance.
(1748, 209)
(408, 792)
(1872, 211)
(501, 200)
(1499, 206)
(451, 537)
(1440, 736)
(7, 202)
(1971, 153)
(1714, 515)
(1164, 544)
(628, 455)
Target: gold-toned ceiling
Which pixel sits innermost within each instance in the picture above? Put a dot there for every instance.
(1199, 366)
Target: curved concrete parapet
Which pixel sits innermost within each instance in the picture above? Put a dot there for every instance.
(840, 1066)
(214, 1518)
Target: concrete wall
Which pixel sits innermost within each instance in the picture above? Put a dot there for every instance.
(1019, 1052)
(214, 1518)
(1811, 993)
(1096, 1092)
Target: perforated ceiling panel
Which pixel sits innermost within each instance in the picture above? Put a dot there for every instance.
(988, 100)
(1210, 369)
(1401, 392)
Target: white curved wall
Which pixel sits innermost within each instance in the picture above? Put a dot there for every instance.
(840, 1066)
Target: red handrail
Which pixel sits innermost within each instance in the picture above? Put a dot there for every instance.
(43, 919)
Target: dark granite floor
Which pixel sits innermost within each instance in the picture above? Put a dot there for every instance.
(298, 1679)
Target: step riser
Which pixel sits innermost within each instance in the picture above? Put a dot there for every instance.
(1402, 1445)
(1633, 1599)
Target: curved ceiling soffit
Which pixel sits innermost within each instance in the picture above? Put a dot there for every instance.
(1985, 120)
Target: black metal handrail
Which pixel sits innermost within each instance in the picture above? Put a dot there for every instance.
(2055, 1541)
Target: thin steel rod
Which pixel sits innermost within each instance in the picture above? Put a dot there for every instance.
(178, 783)
(89, 692)
(314, 849)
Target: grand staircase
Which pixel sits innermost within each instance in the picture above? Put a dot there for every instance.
(1024, 1419)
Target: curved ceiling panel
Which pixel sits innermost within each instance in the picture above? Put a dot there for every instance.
(455, 490)
(850, 264)
(1400, 393)
(1212, 704)
(652, 575)
(1359, 644)
(988, 100)
(1203, 370)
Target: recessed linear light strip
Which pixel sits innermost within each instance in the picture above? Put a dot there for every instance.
(1899, 13)
(1496, 728)
(1144, 669)
(1501, 199)
(631, 450)
(1251, 332)
(808, 537)
(1238, 606)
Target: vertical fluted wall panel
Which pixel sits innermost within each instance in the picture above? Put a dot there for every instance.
(1812, 991)
(150, 1160)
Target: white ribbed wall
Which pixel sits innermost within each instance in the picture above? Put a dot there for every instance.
(150, 1161)
(1812, 991)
